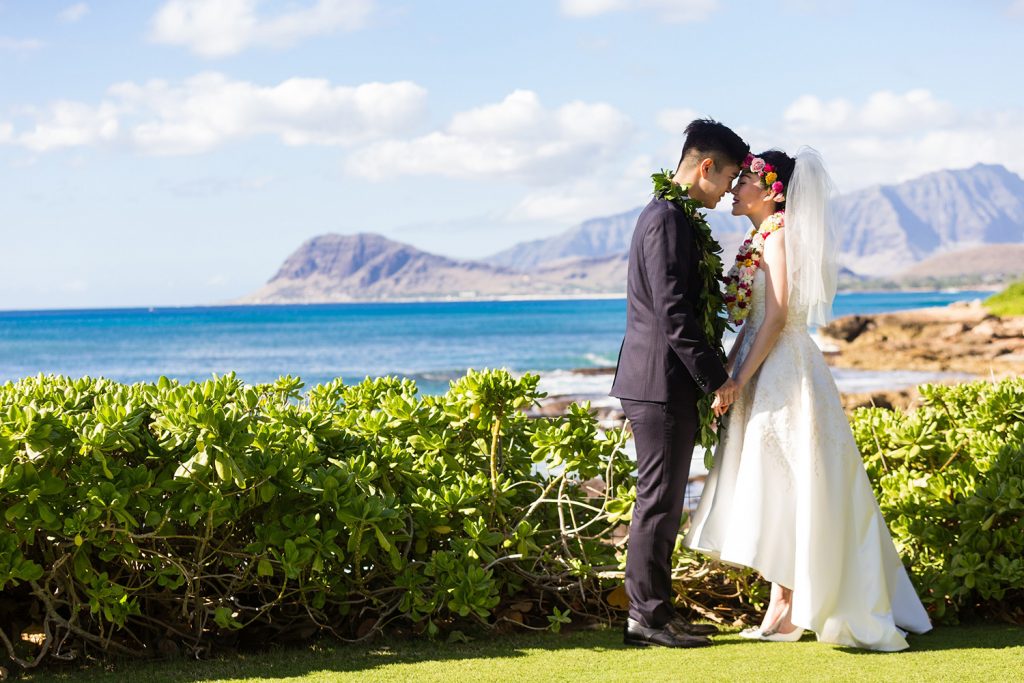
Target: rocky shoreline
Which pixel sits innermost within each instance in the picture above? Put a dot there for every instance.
(960, 338)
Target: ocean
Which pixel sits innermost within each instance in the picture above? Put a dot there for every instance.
(431, 343)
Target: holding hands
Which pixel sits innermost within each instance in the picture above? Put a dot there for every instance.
(725, 396)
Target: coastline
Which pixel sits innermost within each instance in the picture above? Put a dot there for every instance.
(859, 387)
(961, 338)
(435, 300)
(578, 296)
(973, 288)
(581, 296)
(876, 359)
(346, 302)
(434, 343)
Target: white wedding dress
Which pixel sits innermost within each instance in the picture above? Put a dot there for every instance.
(788, 496)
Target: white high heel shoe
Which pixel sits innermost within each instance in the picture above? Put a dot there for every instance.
(772, 632)
(790, 637)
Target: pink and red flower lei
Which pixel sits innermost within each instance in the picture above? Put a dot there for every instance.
(739, 282)
(766, 172)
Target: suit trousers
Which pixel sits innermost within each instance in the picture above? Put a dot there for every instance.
(664, 434)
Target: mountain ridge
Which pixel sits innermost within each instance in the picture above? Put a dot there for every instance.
(887, 230)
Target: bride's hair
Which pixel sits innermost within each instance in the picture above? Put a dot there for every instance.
(783, 165)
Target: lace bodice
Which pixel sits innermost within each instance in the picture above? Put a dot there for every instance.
(796, 316)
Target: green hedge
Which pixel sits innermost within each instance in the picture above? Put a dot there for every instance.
(162, 518)
(950, 481)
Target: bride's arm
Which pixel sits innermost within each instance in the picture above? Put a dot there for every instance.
(731, 359)
(773, 262)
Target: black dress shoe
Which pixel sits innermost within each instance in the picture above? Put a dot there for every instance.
(681, 625)
(635, 633)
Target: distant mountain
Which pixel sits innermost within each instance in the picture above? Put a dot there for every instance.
(368, 266)
(951, 223)
(888, 228)
(595, 238)
(367, 257)
(993, 260)
(885, 229)
(338, 268)
(598, 238)
(605, 275)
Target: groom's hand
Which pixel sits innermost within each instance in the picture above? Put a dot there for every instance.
(718, 409)
(726, 394)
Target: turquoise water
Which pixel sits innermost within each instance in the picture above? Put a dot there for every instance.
(429, 342)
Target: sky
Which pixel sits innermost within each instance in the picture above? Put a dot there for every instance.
(176, 152)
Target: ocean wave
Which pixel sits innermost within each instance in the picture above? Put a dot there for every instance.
(851, 381)
(435, 375)
(595, 387)
(599, 361)
(569, 383)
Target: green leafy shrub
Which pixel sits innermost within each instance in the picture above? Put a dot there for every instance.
(167, 518)
(950, 481)
(1009, 302)
(160, 518)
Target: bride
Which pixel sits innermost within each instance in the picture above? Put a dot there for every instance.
(788, 495)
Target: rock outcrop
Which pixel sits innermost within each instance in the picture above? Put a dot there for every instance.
(957, 338)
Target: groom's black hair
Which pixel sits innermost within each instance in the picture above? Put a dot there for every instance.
(712, 139)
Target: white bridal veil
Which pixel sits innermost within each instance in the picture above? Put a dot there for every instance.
(811, 238)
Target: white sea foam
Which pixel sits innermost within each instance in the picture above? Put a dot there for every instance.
(569, 383)
(852, 381)
(849, 381)
(599, 361)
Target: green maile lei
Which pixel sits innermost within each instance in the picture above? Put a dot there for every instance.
(712, 313)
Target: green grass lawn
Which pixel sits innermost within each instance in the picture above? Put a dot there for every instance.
(980, 652)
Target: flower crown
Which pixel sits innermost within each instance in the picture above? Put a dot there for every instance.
(766, 172)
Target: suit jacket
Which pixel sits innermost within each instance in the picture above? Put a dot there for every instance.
(665, 356)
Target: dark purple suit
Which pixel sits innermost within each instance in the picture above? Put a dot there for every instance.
(665, 365)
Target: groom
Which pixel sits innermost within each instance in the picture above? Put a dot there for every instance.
(665, 365)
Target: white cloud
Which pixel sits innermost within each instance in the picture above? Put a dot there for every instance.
(20, 44)
(589, 8)
(865, 160)
(815, 114)
(1016, 8)
(610, 189)
(891, 137)
(679, 11)
(219, 28)
(884, 111)
(515, 139)
(71, 124)
(209, 109)
(73, 13)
